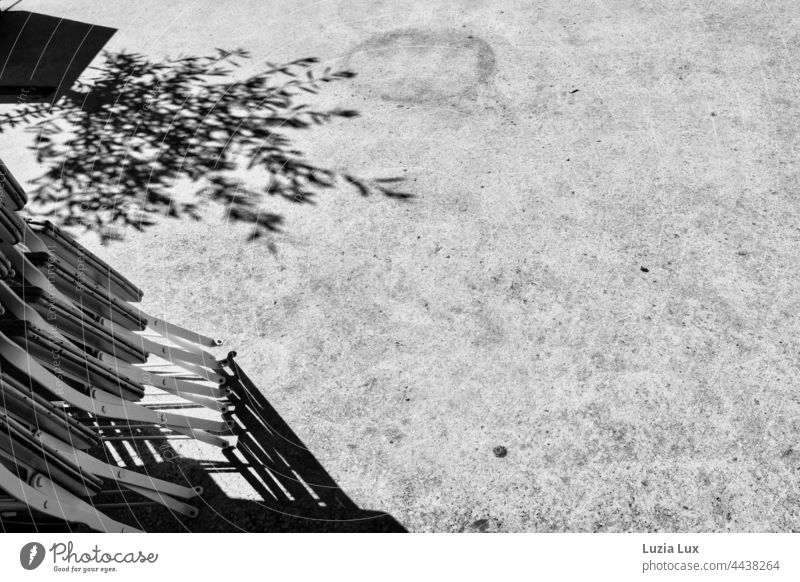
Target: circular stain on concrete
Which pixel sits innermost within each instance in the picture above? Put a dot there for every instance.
(416, 66)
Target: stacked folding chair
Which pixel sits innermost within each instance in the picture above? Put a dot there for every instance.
(78, 362)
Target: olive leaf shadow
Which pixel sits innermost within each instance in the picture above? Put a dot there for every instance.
(117, 143)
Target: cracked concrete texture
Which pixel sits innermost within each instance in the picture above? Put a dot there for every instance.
(599, 272)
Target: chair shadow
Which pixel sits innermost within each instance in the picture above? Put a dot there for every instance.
(289, 490)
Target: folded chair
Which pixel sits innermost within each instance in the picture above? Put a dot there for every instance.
(39, 438)
(118, 317)
(102, 284)
(11, 193)
(28, 276)
(76, 355)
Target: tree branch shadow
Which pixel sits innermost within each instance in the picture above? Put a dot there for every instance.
(115, 145)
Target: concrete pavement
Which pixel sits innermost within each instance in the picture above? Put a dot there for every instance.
(599, 271)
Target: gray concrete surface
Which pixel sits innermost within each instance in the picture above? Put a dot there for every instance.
(557, 150)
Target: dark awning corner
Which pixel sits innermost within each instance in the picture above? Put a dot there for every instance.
(41, 56)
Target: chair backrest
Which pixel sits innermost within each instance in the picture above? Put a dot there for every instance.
(74, 353)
